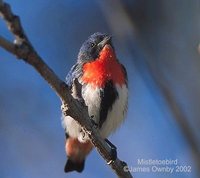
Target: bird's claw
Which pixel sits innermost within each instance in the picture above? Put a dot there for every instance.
(113, 152)
(94, 123)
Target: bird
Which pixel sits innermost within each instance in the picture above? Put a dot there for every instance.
(100, 81)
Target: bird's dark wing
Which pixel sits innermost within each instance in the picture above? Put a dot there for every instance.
(73, 73)
(73, 82)
(108, 96)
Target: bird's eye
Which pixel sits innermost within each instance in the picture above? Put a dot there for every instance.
(92, 45)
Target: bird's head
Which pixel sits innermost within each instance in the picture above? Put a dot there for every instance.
(98, 61)
(92, 48)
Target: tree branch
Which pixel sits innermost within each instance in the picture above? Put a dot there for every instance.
(7, 45)
(23, 49)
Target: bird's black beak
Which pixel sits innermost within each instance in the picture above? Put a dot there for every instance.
(106, 40)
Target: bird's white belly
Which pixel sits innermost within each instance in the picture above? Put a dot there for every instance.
(92, 99)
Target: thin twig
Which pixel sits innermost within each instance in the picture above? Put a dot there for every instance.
(7, 45)
(23, 49)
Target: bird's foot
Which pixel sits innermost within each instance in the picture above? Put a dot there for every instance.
(96, 126)
(113, 152)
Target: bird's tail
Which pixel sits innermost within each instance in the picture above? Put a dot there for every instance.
(76, 153)
(74, 166)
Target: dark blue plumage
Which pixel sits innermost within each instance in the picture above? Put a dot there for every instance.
(75, 72)
(90, 49)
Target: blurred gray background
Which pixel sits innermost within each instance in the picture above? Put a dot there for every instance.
(156, 40)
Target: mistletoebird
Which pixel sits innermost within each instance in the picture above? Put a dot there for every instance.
(100, 81)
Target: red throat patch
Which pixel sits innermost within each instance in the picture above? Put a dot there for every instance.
(104, 68)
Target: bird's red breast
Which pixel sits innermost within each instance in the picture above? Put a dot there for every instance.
(104, 68)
